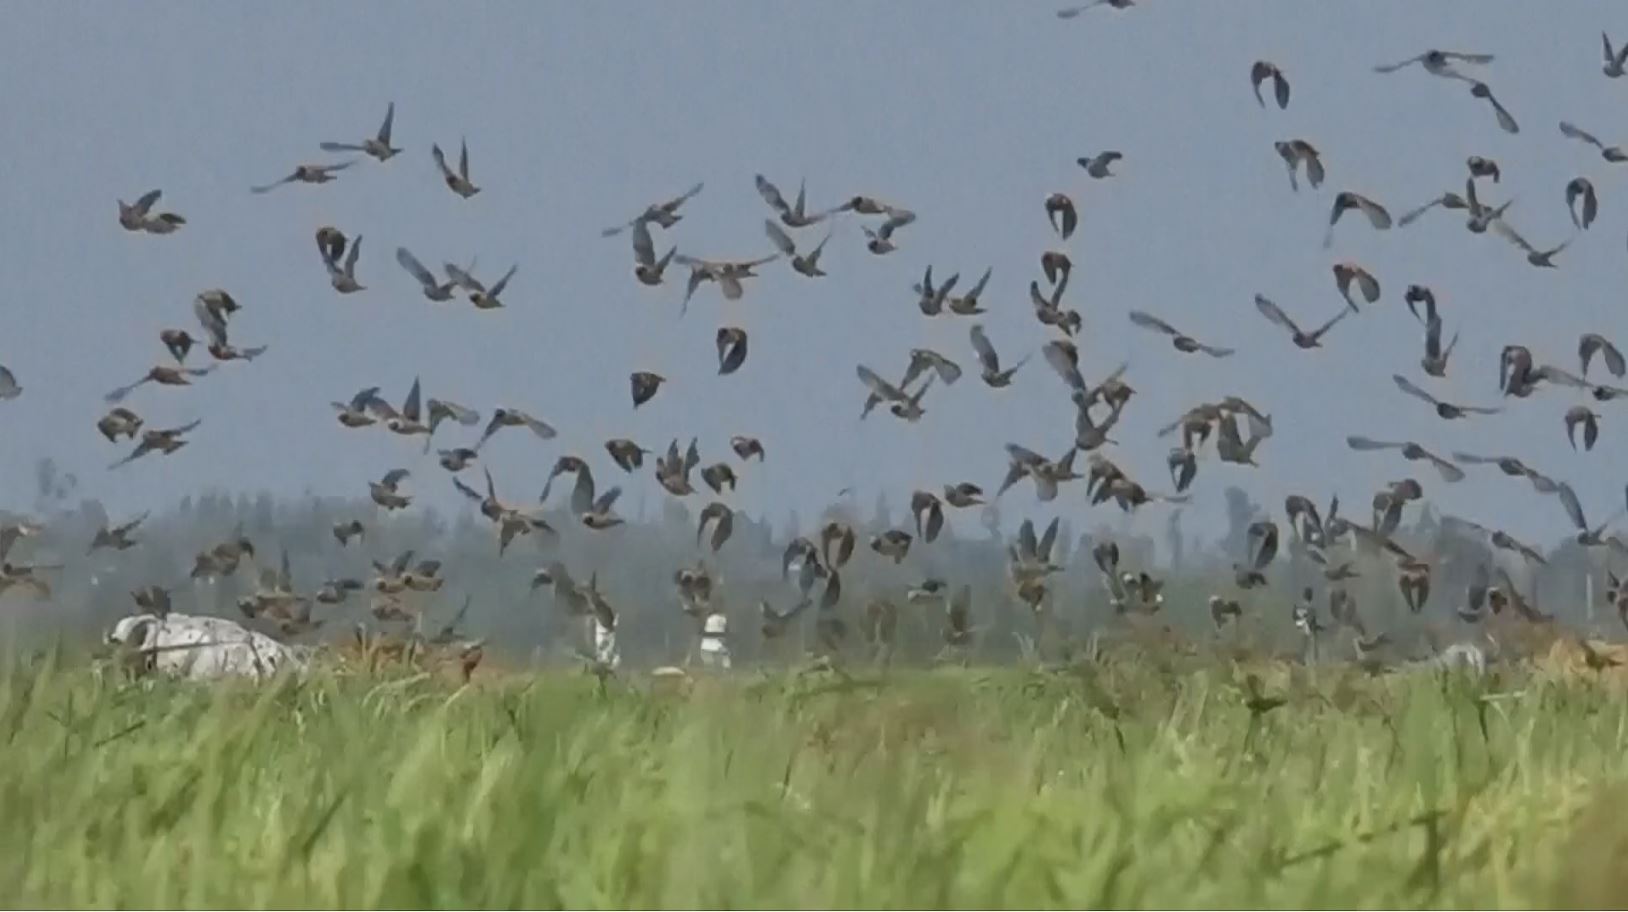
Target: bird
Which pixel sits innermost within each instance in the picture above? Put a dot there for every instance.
(1580, 188)
(880, 241)
(1182, 342)
(663, 214)
(1506, 121)
(306, 174)
(343, 278)
(1616, 61)
(795, 215)
(1543, 259)
(1302, 339)
(1591, 344)
(1612, 154)
(1439, 63)
(1588, 419)
(1348, 274)
(1345, 201)
(722, 521)
(458, 182)
(386, 492)
(990, 361)
(1297, 152)
(1411, 451)
(137, 216)
(1263, 70)
(731, 343)
(1098, 165)
(746, 447)
(160, 440)
(116, 537)
(1446, 410)
(504, 417)
(645, 384)
(434, 289)
(1062, 215)
(1069, 12)
(807, 264)
(377, 146)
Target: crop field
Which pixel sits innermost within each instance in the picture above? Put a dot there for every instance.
(1120, 783)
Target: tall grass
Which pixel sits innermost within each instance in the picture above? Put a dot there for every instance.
(1110, 786)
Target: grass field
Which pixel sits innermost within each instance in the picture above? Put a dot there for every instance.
(1118, 785)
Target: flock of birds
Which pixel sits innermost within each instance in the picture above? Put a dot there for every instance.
(1229, 430)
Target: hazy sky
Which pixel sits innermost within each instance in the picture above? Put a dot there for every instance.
(579, 114)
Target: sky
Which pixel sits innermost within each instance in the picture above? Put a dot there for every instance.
(578, 115)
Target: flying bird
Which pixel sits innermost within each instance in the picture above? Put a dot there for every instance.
(378, 146)
(1264, 70)
(1181, 341)
(458, 182)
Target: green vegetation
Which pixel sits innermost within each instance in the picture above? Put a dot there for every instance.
(1116, 785)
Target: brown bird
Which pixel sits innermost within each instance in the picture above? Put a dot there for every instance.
(892, 543)
(963, 495)
(1446, 410)
(836, 544)
(731, 342)
(1098, 166)
(722, 520)
(966, 305)
(673, 470)
(1306, 340)
(458, 182)
(1345, 201)
(1506, 121)
(663, 214)
(1581, 188)
(719, 476)
(1061, 214)
(1512, 467)
(1483, 167)
(164, 441)
(163, 375)
(1296, 152)
(1183, 466)
(386, 491)
(1448, 200)
(644, 385)
(1438, 62)
(928, 511)
(1264, 70)
(807, 264)
(120, 422)
(990, 360)
(1348, 273)
(746, 447)
(627, 455)
(377, 146)
(1590, 421)
(116, 537)
(795, 215)
(510, 417)
(345, 531)
(1613, 154)
(456, 459)
(135, 217)
(1411, 451)
(1069, 12)
(903, 405)
(306, 174)
(1543, 259)
(1593, 343)
(1181, 341)
(880, 241)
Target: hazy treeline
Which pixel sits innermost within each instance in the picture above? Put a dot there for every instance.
(635, 563)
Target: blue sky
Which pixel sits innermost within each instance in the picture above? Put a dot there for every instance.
(579, 114)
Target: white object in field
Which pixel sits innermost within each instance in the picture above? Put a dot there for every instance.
(202, 648)
(605, 651)
(714, 651)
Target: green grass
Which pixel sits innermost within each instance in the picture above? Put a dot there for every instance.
(1119, 786)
